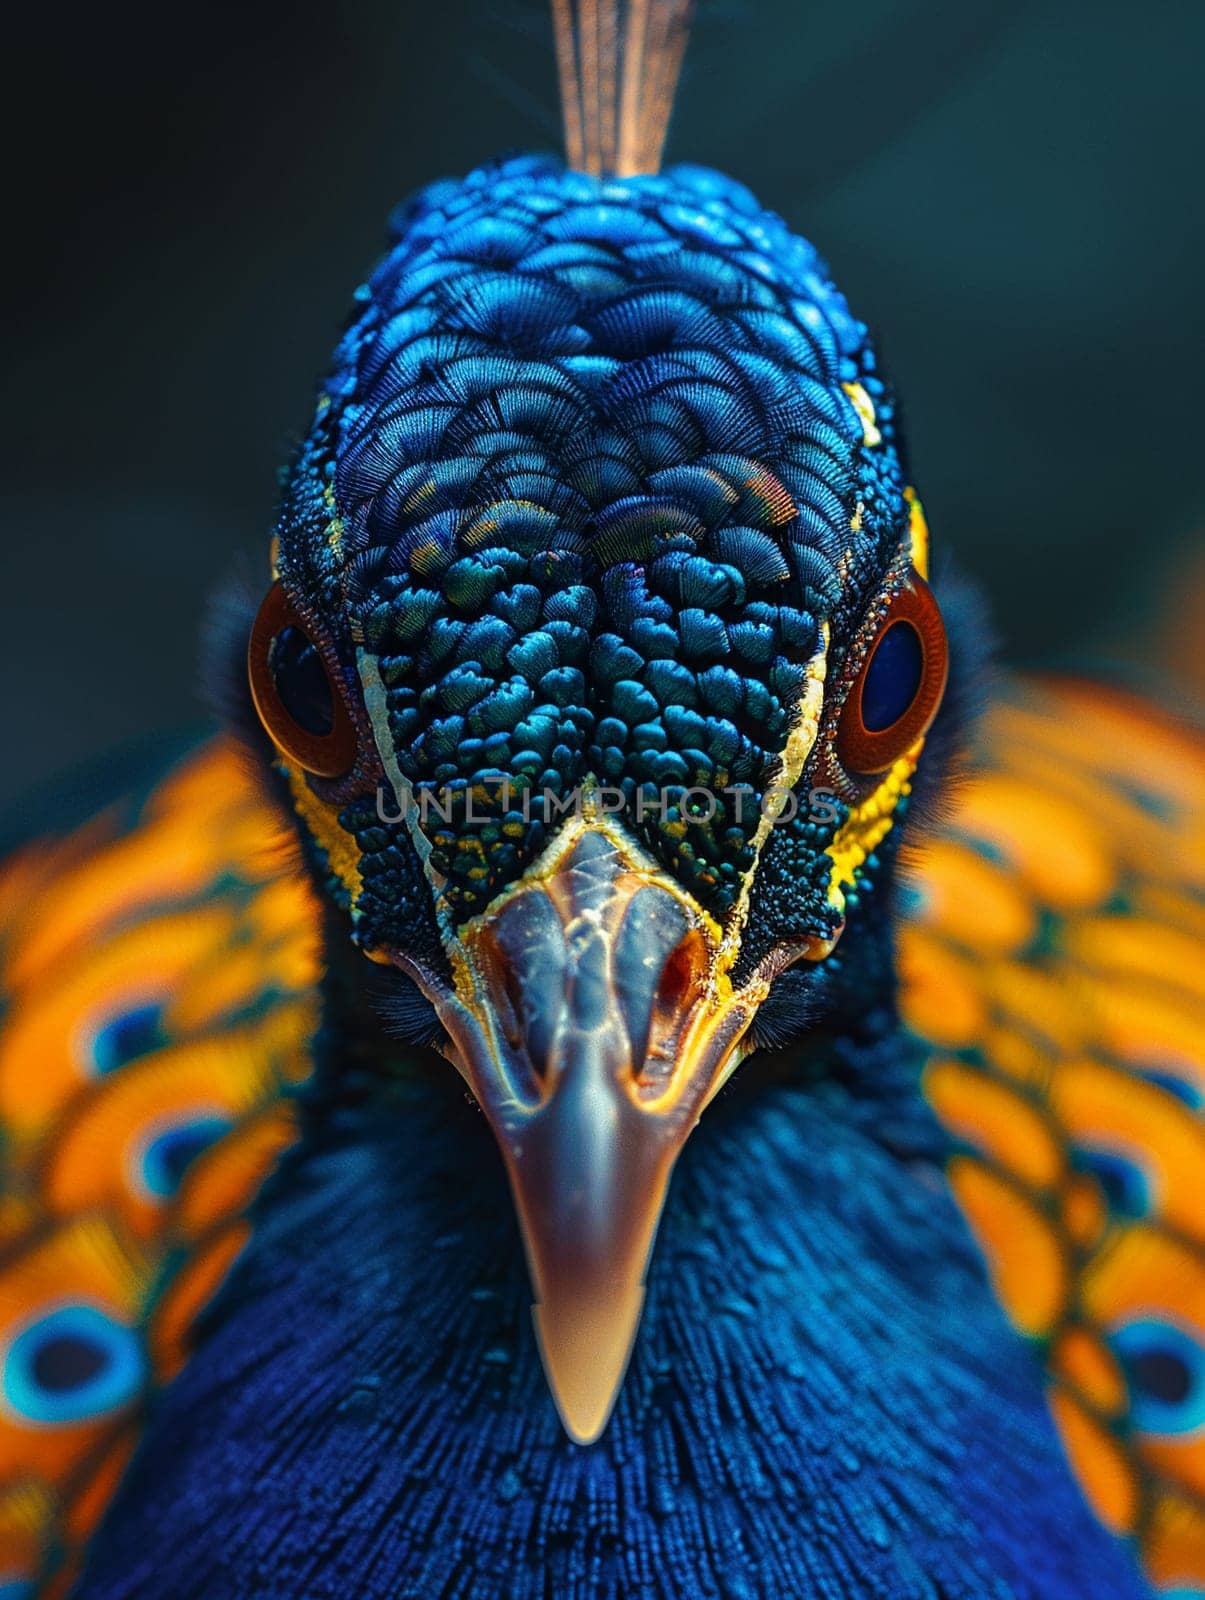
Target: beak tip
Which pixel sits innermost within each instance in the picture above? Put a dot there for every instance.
(585, 1351)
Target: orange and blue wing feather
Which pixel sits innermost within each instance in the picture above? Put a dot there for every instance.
(1053, 962)
(159, 986)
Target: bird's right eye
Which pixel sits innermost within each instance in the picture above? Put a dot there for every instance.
(898, 689)
(300, 680)
(298, 701)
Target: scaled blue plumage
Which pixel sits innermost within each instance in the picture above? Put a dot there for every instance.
(595, 470)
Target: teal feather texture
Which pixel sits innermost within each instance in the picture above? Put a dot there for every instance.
(595, 467)
(825, 1401)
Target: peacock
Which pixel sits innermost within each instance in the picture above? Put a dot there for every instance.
(637, 1065)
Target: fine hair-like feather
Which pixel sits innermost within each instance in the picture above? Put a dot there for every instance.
(618, 63)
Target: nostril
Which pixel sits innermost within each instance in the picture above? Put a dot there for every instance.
(660, 967)
(652, 924)
(528, 972)
(540, 1010)
(529, 1014)
(511, 1010)
(680, 974)
(683, 978)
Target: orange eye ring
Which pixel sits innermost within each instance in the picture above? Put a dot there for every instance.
(327, 754)
(893, 700)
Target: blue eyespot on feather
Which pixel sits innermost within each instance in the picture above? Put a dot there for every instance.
(1176, 1083)
(127, 1036)
(1165, 1367)
(1127, 1185)
(73, 1362)
(166, 1156)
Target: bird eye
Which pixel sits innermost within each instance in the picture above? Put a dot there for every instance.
(895, 696)
(300, 680)
(297, 700)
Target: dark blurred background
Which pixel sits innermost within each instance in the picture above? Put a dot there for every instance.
(1010, 192)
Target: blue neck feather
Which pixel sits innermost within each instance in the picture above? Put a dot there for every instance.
(824, 1398)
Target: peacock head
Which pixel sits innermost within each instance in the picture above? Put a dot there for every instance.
(598, 662)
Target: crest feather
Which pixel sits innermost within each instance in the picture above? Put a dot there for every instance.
(618, 63)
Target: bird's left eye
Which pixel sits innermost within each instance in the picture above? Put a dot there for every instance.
(298, 701)
(898, 689)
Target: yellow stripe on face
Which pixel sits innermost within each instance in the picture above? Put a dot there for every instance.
(341, 851)
(864, 406)
(867, 825)
(805, 729)
(918, 533)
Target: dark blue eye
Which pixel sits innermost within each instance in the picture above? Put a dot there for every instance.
(303, 709)
(893, 678)
(897, 689)
(299, 674)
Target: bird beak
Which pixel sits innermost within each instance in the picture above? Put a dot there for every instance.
(593, 1020)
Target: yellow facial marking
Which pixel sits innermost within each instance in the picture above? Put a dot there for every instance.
(547, 870)
(918, 533)
(867, 825)
(804, 731)
(342, 853)
(864, 406)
